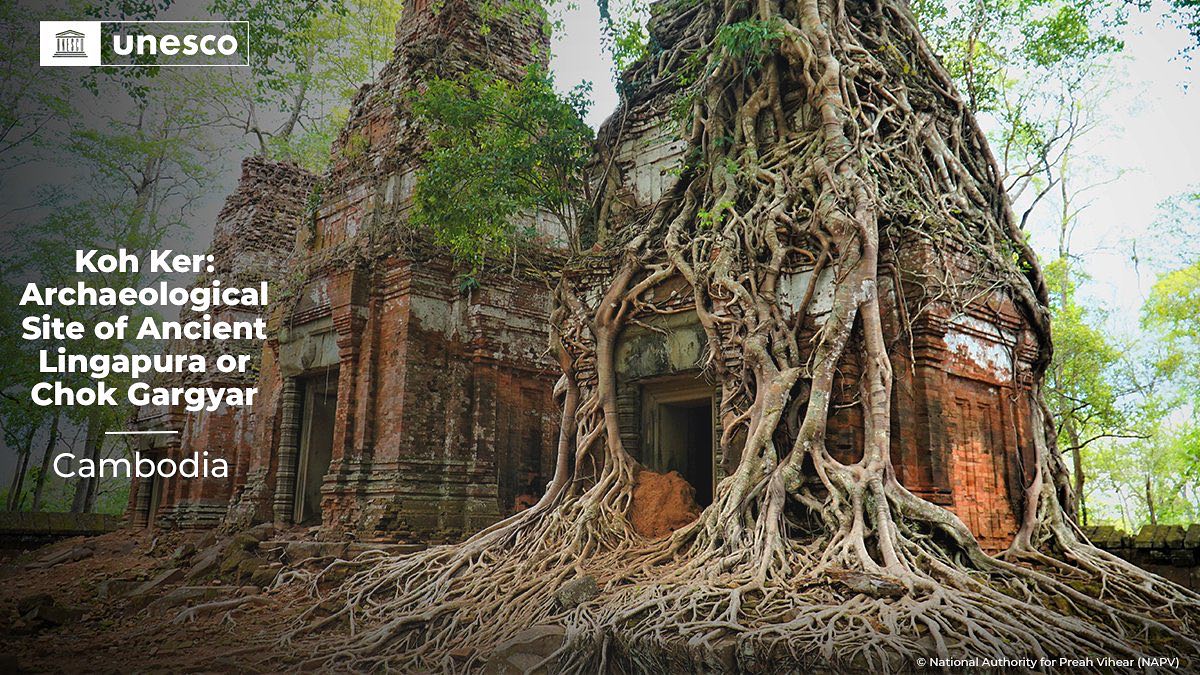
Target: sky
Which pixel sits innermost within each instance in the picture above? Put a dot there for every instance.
(1148, 146)
(577, 57)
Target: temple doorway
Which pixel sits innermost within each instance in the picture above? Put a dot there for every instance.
(679, 434)
(316, 444)
(156, 486)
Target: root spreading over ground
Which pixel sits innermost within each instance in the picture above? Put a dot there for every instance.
(818, 131)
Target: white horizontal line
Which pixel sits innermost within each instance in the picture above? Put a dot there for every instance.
(136, 433)
(172, 65)
(245, 21)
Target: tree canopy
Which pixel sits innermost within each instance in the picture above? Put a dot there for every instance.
(503, 156)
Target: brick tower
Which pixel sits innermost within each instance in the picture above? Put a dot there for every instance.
(393, 405)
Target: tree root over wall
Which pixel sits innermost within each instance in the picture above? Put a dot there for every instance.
(810, 123)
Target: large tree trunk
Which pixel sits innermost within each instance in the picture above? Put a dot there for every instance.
(39, 485)
(91, 450)
(1151, 508)
(18, 481)
(816, 131)
(1077, 472)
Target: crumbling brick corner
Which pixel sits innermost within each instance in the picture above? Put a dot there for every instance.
(253, 241)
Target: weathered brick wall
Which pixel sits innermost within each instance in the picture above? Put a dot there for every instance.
(459, 390)
(1170, 551)
(444, 415)
(253, 240)
(376, 154)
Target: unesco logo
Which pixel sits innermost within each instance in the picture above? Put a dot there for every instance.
(69, 44)
(145, 43)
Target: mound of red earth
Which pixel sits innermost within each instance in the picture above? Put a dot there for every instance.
(662, 503)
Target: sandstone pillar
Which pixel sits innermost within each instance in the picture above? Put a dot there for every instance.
(289, 449)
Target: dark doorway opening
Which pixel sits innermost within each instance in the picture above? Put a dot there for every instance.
(156, 486)
(316, 444)
(679, 433)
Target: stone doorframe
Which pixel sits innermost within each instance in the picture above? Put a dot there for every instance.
(678, 389)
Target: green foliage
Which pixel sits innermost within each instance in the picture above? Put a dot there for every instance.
(1156, 478)
(623, 31)
(308, 61)
(986, 44)
(111, 498)
(751, 41)
(129, 177)
(1082, 383)
(1066, 33)
(1173, 312)
(310, 145)
(500, 152)
(280, 31)
(1153, 480)
(32, 98)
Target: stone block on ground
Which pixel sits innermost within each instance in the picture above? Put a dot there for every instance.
(73, 554)
(245, 541)
(264, 576)
(234, 559)
(29, 603)
(249, 567)
(207, 539)
(115, 588)
(260, 532)
(145, 591)
(576, 592)
(204, 563)
(183, 551)
(298, 551)
(52, 615)
(524, 651)
(191, 594)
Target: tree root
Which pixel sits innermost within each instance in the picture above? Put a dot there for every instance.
(831, 141)
(230, 606)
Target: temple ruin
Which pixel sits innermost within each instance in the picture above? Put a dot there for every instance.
(391, 404)
(394, 405)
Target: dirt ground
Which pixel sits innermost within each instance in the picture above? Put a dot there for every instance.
(157, 601)
(122, 606)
